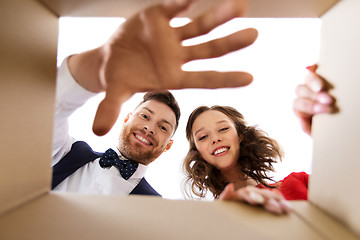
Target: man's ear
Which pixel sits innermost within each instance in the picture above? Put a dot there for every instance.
(127, 117)
(168, 146)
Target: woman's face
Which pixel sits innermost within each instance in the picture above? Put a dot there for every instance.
(216, 139)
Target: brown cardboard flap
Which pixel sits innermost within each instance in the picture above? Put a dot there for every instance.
(328, 227)
(71, 216)
(288, 8)
(28, 36)
(126, 8)
(28, 45)
(334, 182)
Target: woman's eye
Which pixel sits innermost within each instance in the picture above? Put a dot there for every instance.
(202, 138)
(223, 129)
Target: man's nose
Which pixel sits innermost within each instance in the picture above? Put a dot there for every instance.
(148, 129)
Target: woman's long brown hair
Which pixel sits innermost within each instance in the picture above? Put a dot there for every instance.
(257, 155)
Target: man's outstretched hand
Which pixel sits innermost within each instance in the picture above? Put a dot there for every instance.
(146, 54)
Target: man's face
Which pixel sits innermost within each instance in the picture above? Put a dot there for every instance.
(147, 132)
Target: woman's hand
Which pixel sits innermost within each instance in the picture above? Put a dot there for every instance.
(312, 98)
(272, 201)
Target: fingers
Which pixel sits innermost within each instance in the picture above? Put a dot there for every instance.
(212, 80)
(221, 46)
(304, 104)
(251, 196)
(305, 92)
(308, 103)
(173, 7)
(272, 201)
(277, 206)
(314, 82)
(312, 100)
(306, 107)
(312, 97)
(220, 14)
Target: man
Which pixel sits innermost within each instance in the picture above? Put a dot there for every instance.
(146, 133)
(144, 54)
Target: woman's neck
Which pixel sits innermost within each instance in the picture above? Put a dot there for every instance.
(240, 180)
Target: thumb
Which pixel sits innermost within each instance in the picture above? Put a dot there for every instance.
(228, 192)
(108, 112)
(306, 123)
(106, 116)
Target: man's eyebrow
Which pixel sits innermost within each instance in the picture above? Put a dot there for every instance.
(151, 111)
(167, 122)
(163, 120)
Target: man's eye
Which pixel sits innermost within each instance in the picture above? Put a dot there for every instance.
(144, 116)
(163, 128)
(223, 129)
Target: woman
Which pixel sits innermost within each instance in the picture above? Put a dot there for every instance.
(232, 160)
(223, 150)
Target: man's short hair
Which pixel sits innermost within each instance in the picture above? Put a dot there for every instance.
(167, 98)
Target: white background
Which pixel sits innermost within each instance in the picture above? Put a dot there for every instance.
(277, 60)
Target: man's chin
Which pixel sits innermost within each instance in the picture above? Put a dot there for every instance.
(141, 157)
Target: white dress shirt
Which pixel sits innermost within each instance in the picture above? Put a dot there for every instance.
(91, 178)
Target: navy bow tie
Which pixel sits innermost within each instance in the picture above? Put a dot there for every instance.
(126, 167)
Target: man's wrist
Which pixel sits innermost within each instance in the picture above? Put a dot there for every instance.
(85, 68)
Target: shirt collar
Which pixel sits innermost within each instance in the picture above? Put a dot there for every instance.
(140, 171)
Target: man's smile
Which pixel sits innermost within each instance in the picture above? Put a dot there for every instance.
(142, 139)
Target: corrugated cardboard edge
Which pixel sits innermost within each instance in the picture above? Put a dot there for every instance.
(334, 182)
(28, 71)
(69, 216)
(124, 8)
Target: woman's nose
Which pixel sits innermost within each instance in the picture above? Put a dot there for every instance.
(215, 141)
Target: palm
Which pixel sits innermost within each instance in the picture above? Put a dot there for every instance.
(146, 58)
(146, 54)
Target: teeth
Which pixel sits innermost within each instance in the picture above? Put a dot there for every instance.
(142, 139)
(220, 150)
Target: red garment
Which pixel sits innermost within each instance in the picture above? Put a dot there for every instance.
(293, 187)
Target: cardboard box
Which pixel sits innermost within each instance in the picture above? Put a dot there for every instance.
(29, 210)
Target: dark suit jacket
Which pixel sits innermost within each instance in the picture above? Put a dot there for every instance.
(81, 154)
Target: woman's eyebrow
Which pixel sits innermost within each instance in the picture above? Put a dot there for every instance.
(221, 121)
(218, 122)
(199, 130)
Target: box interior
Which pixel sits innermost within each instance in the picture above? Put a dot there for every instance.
(28, 69)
